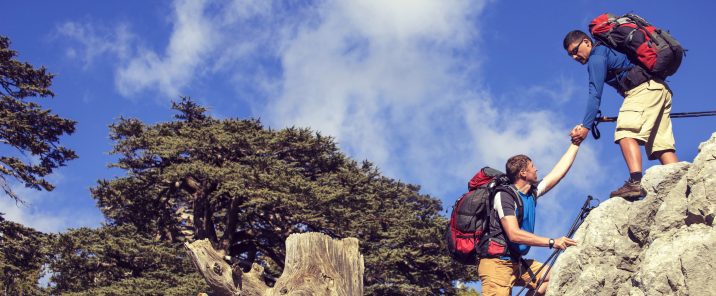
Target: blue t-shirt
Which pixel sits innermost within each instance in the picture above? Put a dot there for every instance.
(601, 60)
(528, 219)
(505, 205)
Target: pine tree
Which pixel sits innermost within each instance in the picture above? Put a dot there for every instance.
(466, 291)
(23, 252)
(117, 260)
(245, 188)
(26, 127)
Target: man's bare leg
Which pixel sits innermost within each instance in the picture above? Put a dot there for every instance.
(543, 288)
(666, 156)
(632, 154)
(632, 157)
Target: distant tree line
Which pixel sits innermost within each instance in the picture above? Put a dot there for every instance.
(242, 186)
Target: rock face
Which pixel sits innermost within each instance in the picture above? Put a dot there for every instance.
(664, 244)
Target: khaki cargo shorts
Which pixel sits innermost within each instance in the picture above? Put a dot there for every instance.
(498, 276)
(645, 116)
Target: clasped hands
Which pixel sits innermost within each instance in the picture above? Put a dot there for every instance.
(578, 134)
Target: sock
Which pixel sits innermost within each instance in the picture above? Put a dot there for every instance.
(635, 177)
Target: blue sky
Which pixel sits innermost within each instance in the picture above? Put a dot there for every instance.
(430, 91)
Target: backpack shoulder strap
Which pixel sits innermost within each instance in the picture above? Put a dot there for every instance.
(513, 252)
(514, 193)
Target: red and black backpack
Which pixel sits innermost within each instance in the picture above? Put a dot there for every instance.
(653, 49)
(469, 221)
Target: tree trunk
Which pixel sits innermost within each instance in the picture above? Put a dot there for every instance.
(315, 265)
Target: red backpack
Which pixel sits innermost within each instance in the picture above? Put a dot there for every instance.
(652, 48)
(470, 216)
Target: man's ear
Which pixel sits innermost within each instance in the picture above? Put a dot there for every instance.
(587, 41)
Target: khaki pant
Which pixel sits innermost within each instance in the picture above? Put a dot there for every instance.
(645, 116)
(498, 276)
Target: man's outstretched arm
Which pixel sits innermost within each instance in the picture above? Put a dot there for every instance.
(560, 169)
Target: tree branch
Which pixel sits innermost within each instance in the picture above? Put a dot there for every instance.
(315, 265)
(231, 221)
(219, 275)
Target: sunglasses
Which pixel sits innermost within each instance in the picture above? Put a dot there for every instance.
(575, 49)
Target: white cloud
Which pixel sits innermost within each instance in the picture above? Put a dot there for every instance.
(94, 41)
(406, 21)
(191, 41)
(379, 77)
(397, 86)
(398, 82)
(36, 214)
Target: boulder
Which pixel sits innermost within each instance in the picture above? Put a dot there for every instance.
(663, 244)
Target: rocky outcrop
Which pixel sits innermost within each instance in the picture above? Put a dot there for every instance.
(664, 244)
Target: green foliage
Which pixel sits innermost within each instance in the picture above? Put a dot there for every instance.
(467, 291)
(188, 285)
(26, 127)
(246, 188)
(119, 261)
(22, 255)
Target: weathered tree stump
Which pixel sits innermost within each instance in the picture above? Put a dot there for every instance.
(315, 265)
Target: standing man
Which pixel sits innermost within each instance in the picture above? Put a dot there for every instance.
(644, 117)
(511, 230)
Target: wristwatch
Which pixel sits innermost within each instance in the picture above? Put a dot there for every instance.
(551, 243)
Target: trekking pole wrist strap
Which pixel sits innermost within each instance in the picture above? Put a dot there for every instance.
(551, 243)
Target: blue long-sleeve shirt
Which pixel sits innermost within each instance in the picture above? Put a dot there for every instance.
(601, 60)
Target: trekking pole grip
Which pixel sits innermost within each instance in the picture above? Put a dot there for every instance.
(580, 217)
(585, 206)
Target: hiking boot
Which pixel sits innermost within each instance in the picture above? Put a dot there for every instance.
(630, 190)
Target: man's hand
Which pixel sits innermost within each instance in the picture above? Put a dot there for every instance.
(564, 242)
(578, 134)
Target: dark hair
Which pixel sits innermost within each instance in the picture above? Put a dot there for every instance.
(515, 164)
(575, 36)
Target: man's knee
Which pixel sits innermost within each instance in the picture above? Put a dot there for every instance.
(665, 156)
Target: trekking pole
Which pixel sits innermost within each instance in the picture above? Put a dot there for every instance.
(586, 208)
(596, 134)
(577, 222)
(583, 212)
(673, 115)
